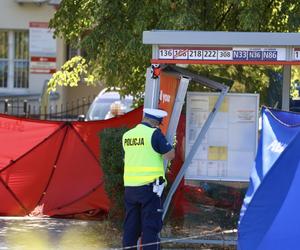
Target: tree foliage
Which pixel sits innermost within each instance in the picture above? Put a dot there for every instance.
(71, 73)
(110, 32)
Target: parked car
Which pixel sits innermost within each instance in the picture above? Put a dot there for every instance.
(295, 104)
(109, 104)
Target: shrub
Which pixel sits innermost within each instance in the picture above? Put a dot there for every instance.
(111, 160)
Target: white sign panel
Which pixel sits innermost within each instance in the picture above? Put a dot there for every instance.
(42, 48)
(41, 40)
(296, 52)
(228, 150)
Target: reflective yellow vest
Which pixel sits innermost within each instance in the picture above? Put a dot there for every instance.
(142, 164)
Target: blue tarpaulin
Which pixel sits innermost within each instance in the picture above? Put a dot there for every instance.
(270, 215)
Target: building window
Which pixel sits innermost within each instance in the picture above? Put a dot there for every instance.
(14, 59)
(72, 51)
(21, 62)
(3, 59)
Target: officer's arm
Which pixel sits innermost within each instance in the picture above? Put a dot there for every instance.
(169, 155)
(162, 146)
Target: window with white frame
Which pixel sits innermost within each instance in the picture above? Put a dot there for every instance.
(3, 59)
(14, 59)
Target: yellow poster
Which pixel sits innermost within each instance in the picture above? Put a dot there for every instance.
(217, 153)
(224, 105)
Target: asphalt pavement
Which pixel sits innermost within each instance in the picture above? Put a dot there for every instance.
(27, 233)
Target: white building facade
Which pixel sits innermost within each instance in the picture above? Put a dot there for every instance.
(20, 67)
(29, 54)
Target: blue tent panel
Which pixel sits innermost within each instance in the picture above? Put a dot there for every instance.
(268, 218)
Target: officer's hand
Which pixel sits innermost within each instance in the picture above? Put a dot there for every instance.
(160, 189)
(174, 141)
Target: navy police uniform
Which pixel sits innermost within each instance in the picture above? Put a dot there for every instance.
(143, 206)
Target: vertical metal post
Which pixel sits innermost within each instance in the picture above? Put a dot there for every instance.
(11, 68)
(193, 150)
(83, 103)
(179, 101)
(67, 111)
(29, 111)
(156, 81)
(18, 106)
(72, 108)
(88, 105)
(78, 105)
(12, 106)
(152, 88)
(45, 112)
(5, 106)
(286, 87)
(156, 89)
(152, 85)
(55, 111)
(148, 99)
(25, 107)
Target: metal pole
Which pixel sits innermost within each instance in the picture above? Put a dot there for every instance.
(222, 242)
(29, 111)
(45, 112)
(194, 150)
(148, 99)
(25, 107)
(179, 101)
(50, 112)
(6, 106)
(286, 87)
(156, 81)
(18, 106)
(83, 103)
(12, 106)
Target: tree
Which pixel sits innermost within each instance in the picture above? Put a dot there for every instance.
(110, 32)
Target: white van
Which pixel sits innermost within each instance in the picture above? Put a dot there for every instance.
(103, 105)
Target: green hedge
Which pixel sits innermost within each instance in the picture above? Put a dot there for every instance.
(111, 160)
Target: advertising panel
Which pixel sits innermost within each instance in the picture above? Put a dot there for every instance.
(167, 95)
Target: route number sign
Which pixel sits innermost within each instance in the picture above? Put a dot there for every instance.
(226, 54)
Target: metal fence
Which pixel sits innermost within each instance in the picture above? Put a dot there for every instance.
(30, 107)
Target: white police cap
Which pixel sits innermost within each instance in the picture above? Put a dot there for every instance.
(156, 114)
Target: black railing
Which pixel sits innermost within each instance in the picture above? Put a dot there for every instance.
(30, 107)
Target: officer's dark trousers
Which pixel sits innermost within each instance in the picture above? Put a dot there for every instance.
(143, 217)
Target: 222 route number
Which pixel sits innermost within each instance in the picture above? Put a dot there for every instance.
(210, 54)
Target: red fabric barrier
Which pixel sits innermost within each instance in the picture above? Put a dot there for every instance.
(52, 168)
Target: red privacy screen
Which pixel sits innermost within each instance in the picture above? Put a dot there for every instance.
(53, 167)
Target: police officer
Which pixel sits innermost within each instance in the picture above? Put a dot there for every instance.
(145, 148)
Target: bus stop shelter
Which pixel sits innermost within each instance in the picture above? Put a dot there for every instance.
(209, 47)
(199, 47)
